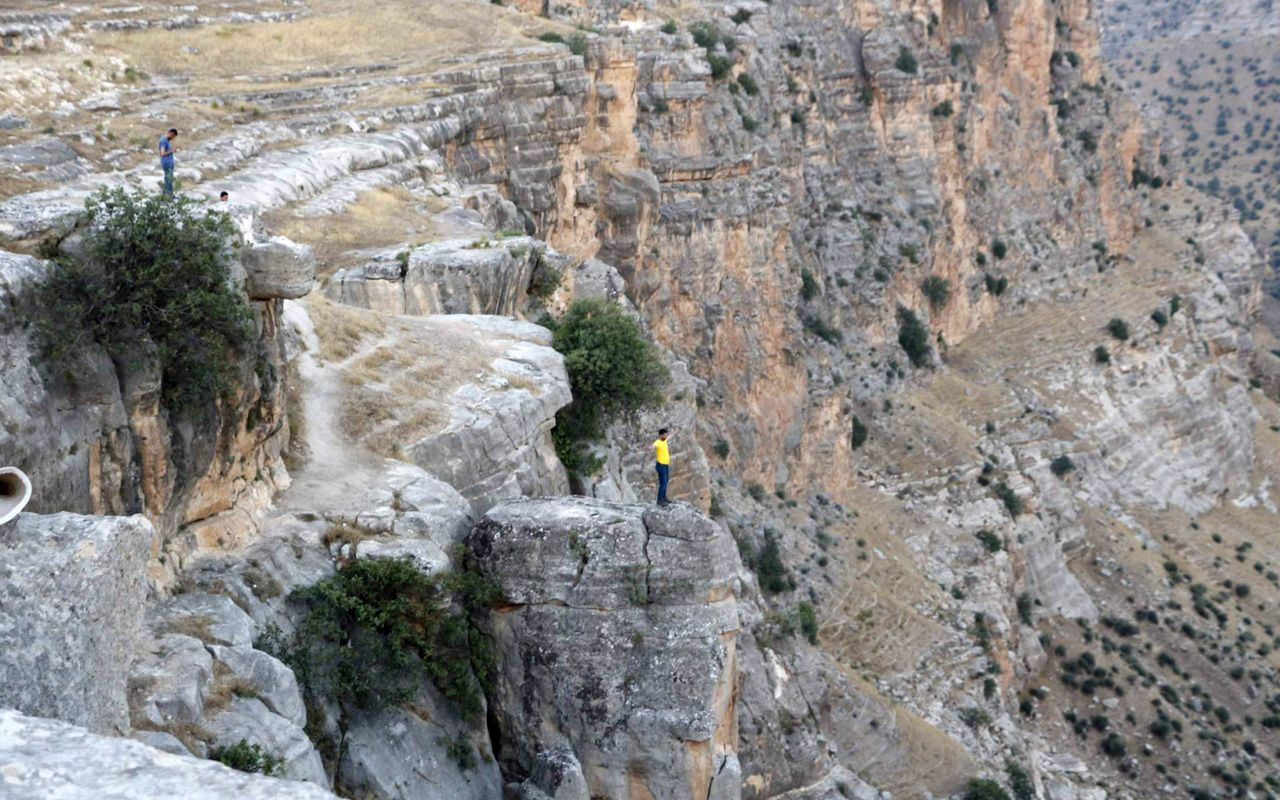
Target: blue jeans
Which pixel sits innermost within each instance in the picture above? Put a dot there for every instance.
(664, 471)
(168, 179)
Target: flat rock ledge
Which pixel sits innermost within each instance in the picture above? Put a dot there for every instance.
(43, 759)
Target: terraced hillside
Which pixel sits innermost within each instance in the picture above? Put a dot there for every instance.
(1212, 73)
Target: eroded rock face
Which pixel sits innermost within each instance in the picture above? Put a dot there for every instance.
(458, 276)
(98, 440)
(49, 760)
(71, 595)
(421, 749)
(278, 269)
(497, 443)
(619, 641)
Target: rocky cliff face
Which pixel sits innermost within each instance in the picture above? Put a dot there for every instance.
(885, 246)
(95, 438)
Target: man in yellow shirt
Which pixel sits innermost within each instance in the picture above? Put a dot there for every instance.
(663, 457)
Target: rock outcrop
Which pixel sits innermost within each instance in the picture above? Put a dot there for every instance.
(71, 604)
(468, 276)
(97, 439)
(617, 639)
(49, 760)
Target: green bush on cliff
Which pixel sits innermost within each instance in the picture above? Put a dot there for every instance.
(913, 337)
(373, 632)
(937, 290)
(985, 789)
(906, 61)
(150, 277)
(613, 371)
(248, 757)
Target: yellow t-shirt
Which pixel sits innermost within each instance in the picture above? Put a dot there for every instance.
(660, 450)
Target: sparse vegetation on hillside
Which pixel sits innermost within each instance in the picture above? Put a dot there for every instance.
(150, 281)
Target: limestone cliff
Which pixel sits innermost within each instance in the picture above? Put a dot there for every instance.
(976, 402)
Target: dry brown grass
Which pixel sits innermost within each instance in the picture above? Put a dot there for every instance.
(399, 391)
(225, 687)
(335, 33)
(196, 626)
(869, 621)
(379, 218)
(343, 329)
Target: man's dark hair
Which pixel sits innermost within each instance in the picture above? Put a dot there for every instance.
(224, 194)
(174, 131)
(661, 431)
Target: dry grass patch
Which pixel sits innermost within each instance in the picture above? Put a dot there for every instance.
(225, 687)
(342, 330)
(335, 33)
(196, 626)
(379, 218)
(400, 391)
(869, 618)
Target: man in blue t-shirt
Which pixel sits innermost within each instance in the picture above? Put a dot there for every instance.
(167, 149)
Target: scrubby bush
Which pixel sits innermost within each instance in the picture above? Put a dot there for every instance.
(1025, 608)
(984, 789)
(808, 286)
(670, 27)
(1020, 781)
(721, 448)
(906, 61)
(748, 84)
(1012, 503)
(937, 290)
(1061, 465)
(373, 632)
(992, 542)
(720, 65)
(151, 280)
(577, 43)
(858, 433)
(999, 249)
(1114, 745)
(995, 286)
(822, 329)
(1118, 328)
(943, 109)
(770, 571)
(975, 717)
(808, 621)
(1101, 355)
(613, 370)
(1159, 318)
(248, 757)
(913, 337)
(544, 280)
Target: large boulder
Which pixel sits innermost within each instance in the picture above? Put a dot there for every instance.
(618, 639)
(457, 276)
(248, 718)
(71, 598)
(48, 760)
(278, 269)
(420, 749)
